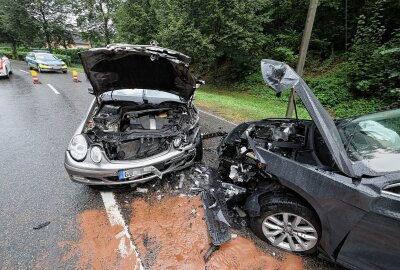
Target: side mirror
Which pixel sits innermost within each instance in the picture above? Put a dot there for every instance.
(90, 90)
(199, 83)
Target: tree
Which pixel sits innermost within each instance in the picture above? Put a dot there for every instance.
(17, 27)
(95, 20)
(52, 18)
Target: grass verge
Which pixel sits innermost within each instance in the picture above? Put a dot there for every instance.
(239, 106)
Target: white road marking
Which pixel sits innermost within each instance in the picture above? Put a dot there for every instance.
(218, 117)
(24, 71)
(126, 246)
(53, 88)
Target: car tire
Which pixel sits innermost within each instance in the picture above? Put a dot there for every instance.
(64, 71)
(272, 221)
(199, 148)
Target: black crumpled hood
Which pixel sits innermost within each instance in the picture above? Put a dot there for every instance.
(138, 66)
(279, 76)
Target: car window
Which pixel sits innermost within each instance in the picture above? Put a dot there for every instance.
(374, 139)
(45, 56)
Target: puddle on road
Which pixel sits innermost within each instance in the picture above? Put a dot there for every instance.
(98, 246)
(171, 234)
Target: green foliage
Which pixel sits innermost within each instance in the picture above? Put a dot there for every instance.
(373, 67)
(95, 20)
(69, 56)
(352, 61)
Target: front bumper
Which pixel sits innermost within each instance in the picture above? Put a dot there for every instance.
(53, 69)
(106, 172)
(3, 72)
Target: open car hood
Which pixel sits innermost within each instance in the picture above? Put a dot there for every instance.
(124, 66)
(279, 76)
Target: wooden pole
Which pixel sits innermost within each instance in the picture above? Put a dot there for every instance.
(312, 9)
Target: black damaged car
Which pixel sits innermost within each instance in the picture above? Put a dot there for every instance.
(319, 185)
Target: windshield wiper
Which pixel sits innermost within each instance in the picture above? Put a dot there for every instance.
(350, 137)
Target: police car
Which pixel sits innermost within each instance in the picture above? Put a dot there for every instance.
(44, 61)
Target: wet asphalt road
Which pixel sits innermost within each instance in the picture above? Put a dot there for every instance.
(36, 125)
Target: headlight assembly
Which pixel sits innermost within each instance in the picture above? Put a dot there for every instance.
(95, 154)
(78, 147)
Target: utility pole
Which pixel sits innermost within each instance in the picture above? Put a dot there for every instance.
(312, 9)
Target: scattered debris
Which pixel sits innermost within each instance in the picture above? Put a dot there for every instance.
(205, 136)
(181, 179)
(142, 190)
(210, 251)
(40, 226)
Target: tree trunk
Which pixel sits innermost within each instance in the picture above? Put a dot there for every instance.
(14, 49)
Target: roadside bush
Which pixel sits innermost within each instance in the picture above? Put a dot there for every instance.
(69, 56)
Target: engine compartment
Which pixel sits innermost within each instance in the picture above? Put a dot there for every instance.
(129, 131)
(298, 140)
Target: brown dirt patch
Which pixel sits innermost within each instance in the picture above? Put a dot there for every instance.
(98, 246)
(172, 234)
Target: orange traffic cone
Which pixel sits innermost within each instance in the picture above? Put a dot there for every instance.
(75, 76)
(35, 77)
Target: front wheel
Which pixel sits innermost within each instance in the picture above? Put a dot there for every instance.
(287, 223)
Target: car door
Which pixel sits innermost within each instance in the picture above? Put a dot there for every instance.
(374, 243)
(31, 60)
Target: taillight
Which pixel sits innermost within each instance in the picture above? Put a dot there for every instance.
(1, 64)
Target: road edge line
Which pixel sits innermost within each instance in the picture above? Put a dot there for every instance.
(115, 218)
(53, 88)
(218, 117)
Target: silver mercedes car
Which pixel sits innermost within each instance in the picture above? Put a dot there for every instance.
(142, 123)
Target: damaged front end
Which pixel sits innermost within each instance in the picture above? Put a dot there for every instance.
(142, 123)
(129, 131)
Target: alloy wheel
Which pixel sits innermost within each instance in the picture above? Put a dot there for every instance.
(290, 232)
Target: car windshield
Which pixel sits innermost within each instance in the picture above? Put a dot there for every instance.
(374, 140)
(45, 56)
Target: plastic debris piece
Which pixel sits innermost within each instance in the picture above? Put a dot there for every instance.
(210, 251)
(40, 226)
(181, 179)
(142, 190)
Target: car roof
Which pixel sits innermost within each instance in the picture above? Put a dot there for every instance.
(40, 51)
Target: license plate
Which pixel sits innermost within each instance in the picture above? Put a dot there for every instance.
(123, 175)
(55, 67)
